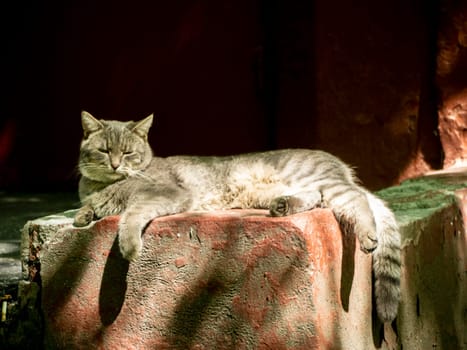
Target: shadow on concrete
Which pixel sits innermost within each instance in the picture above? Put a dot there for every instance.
(113, 286)
(257, 308)
(60, 274)
(348, 267)
(206, 294)
(194, 307)
(70, 267)
(377, 327)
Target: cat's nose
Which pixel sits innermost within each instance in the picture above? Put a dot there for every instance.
(114, 161)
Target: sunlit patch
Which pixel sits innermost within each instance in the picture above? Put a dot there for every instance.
(8, 248)
(253, 185)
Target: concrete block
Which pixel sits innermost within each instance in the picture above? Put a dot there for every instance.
(432, 215)
(433, 306)
(225, 280)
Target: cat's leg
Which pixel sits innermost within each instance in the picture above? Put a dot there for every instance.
(84, 216)
(350, 205)
(137, 217)
(287, 205)
(132, 224)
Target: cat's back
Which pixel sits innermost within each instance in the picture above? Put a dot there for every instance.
(285, 166)
(195, 173)
(238, 181)
(283, 161)
(276, 158)
(292, 164)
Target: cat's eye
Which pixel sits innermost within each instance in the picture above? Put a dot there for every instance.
(126, 153)
(103, 150)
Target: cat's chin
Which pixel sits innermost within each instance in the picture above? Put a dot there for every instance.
(106, 178)
(116, 176)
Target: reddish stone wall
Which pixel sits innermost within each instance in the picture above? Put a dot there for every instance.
(451, 79)
(357, 80)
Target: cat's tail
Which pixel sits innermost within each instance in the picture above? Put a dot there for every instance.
(386, 260)
(376, 227)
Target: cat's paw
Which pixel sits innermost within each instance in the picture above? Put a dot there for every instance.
(279, 206)
(130, 244)
(368, 241)
(84, 216)
(288, 205)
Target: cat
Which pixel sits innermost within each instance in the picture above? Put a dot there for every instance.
(119, 175)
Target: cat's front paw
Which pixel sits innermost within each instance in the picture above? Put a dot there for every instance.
(84, 216)
(279, 206)
(130, 243)
(368, 241)
(288, 205)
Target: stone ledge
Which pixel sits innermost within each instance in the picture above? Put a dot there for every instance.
(239, 279)
(225, 280)
(432, 214)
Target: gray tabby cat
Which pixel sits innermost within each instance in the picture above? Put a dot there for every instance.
(121, 176)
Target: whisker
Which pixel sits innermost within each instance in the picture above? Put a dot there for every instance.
(138, 174)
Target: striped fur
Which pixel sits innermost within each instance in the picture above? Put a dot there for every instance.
(120, 176)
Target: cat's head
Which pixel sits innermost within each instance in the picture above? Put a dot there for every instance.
(112, 150)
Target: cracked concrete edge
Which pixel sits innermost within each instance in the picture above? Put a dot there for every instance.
(36, 233)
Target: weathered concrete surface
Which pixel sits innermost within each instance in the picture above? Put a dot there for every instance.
(220, 281)
(241, 280)
(20, 329)
(15, 210)
(432, 214)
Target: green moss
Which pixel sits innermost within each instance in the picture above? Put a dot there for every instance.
(417, 198)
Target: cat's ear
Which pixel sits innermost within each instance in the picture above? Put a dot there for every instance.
(142, 127)
(90, 124)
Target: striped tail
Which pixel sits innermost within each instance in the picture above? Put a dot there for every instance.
(377, 230)
(386, 260)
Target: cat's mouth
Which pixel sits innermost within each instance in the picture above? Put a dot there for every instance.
(117, 175)
(122, 172)
(107, 174)
(111, 177)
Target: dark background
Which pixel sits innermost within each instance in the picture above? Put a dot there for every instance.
(353, 78)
